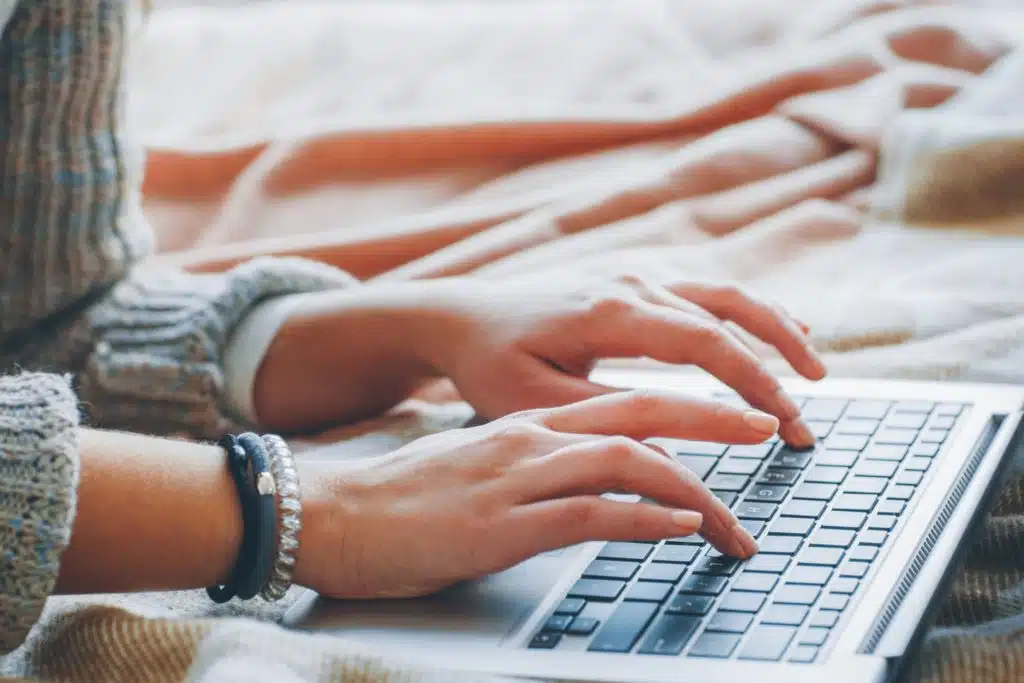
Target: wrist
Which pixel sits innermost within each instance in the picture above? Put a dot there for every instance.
(344, 356)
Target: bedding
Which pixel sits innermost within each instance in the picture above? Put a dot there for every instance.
(858, 160)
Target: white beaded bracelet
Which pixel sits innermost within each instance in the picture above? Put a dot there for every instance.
(289, 517)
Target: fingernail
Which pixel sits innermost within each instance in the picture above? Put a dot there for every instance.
(687, 520)
(761, 422)
(744, 541)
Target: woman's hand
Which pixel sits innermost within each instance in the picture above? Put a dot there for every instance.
(470, 502)
(514, 345)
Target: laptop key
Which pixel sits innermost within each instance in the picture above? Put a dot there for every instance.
(768, 643)
(841, 519)
(648, 591)
(883, 522)
(942, 422)
(825, 619)
(784, 615)
(730, 483)
(803, 654)
(790, 526)
(600, 590)
(729, 622)
(794, 460)
(925, 450)
(669, 635)
(545, 640)
(755, 583)
(872, 485)
(822, 557)
(934, 435)
(677, 554)
(900, 492)
(693, 539)
(914, 407)
(917, 464)
(621, 631)
(826, 409)
(621, 550)
(795, 594)
(846, 442)
(753, 526)
(804, 508)
(822, 492)
(875, 468)
(738, 466)
(557, 622)
(807, 575)
(752, 510)
(741, 602)
(767, 493)
(836, 458)
(767, 564)
(863, 554)
(844, 586)
(570, 606)
(834, 601)
(819, 429)
(661, 571)
(821, 474)
(610, 569)
(873, 410)
(703, 584)
(781, 545)
(694, 605)
(814, 636)
(896, 437)
(833, 538)
(873, 537)
(717, 566)
(855, 502)
(906, 420)
(582, 626)
(779, 477)
(758, 451)
(886, 452)
(699, 465)
(728, 498)
(855, 570)
(908, 478)
(952, 409)
(719, 645)
(865, 427)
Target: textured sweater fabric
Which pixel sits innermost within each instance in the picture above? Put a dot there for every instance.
(141, 348)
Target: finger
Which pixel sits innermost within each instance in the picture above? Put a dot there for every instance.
(614, 464)
(627, 329)
(763, 320)
(569, 521)
(645, 413)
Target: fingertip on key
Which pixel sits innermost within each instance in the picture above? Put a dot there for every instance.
(743, 542)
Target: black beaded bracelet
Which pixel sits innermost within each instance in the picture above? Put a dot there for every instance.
(250, 471)
(264, 518)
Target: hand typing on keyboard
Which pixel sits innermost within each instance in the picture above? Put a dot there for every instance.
(468, 502)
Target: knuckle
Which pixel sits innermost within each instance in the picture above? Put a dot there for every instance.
(610, 306)
(581, 512)
(644, 400)
(708, 334)
(520, 433)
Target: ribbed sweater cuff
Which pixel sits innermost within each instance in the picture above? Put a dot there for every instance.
(38, 482)
(158, 343)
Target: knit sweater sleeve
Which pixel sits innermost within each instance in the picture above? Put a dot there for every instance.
(78, 291)
(38, 479)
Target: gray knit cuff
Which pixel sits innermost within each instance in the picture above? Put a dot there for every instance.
(158, 341)
(38, 483)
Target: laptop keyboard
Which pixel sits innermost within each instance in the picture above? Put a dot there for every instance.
(822, 519)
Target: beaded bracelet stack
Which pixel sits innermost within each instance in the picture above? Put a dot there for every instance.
(264, 473)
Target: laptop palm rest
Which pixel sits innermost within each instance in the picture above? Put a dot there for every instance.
(481, 612)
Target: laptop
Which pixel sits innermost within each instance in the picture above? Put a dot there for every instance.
(859, 538)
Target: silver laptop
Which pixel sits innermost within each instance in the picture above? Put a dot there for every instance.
(858, 540)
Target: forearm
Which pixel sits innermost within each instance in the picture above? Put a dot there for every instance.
(152, 514)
